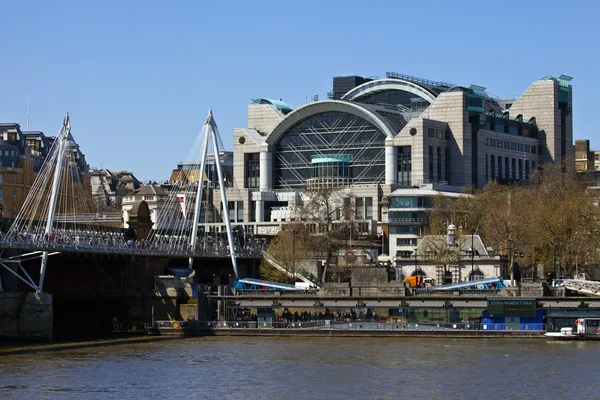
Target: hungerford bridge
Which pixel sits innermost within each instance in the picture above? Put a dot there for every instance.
(55, 216)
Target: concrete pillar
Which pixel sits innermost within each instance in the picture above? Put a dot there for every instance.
(391, 165)
(260, 211)
(37, 317)
(220, 315)
(266, 170)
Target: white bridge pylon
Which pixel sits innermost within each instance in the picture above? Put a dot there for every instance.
(211, 133)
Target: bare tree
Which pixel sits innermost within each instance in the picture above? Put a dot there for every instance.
(445, 251)
(566, 218)
(325, 211)
(460, 211)
(506, 218)
(291, 245)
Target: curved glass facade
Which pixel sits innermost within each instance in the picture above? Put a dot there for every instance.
(334, 134)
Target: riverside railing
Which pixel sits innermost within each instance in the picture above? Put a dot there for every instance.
(354, 325)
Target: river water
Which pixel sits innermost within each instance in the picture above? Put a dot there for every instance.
(304, 368)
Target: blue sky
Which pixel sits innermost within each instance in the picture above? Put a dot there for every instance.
(138, 77)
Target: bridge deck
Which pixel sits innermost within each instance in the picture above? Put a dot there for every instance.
(127, 251)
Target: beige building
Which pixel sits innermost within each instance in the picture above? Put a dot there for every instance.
(373, 137)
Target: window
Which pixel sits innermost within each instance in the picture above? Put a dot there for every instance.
(253, 170)
(0, 178)
(14, 195)
(499, 167)
(493, 166)
(368, 208)
(533, 149)
(507, 145)
(359, 208)
(447, 165)
(521, 174)
(430, 132)
(404, 165)
(513, 130)
(520, 146)
(506, 165)
(406, 242)
(500, 128)
(240, 211)
(514, 168)
(1, 196)
(431, 163)
(439, 164)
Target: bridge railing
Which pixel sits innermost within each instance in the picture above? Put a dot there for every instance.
(364, 325)
(116, 245)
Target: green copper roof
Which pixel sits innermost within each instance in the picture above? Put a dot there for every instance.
(278, 104)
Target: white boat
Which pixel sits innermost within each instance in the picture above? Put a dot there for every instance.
(586, 329)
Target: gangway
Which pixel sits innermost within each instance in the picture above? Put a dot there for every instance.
(271, 260)
(490, 283)
(257, 286)
(582, 286)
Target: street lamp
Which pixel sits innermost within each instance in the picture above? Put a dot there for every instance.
(294, 252)
(472, 252)
(416, 261)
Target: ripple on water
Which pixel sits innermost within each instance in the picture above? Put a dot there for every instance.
(308, 368)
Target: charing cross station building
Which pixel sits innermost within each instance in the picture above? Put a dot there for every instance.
(393, 144)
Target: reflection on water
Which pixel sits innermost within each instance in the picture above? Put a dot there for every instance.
(308, 368)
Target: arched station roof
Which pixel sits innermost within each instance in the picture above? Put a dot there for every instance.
(319, 107)
(383, 85)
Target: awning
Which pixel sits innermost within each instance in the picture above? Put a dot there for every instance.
(426, 303)
(469, 303)
(383, 304)
(560, 304)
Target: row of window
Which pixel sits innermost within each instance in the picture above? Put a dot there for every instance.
(411, 202)
(500, 167)
(338, 169)
(14, 195)
(405, 230)
(508, 145)
(516, 130)
(406, 242)
(437, 173)
(438, 133)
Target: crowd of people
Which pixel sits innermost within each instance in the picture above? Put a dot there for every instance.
(118, 241)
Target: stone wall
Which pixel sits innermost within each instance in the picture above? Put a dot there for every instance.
(374, 282)
(10, 310)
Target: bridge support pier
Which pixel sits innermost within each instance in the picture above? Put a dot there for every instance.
(37, 318)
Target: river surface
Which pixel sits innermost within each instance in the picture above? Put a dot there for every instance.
(304, 368)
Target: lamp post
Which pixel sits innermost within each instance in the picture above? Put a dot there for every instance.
(472, 253)
(294, 252)
(555, 268)
(416, 261)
